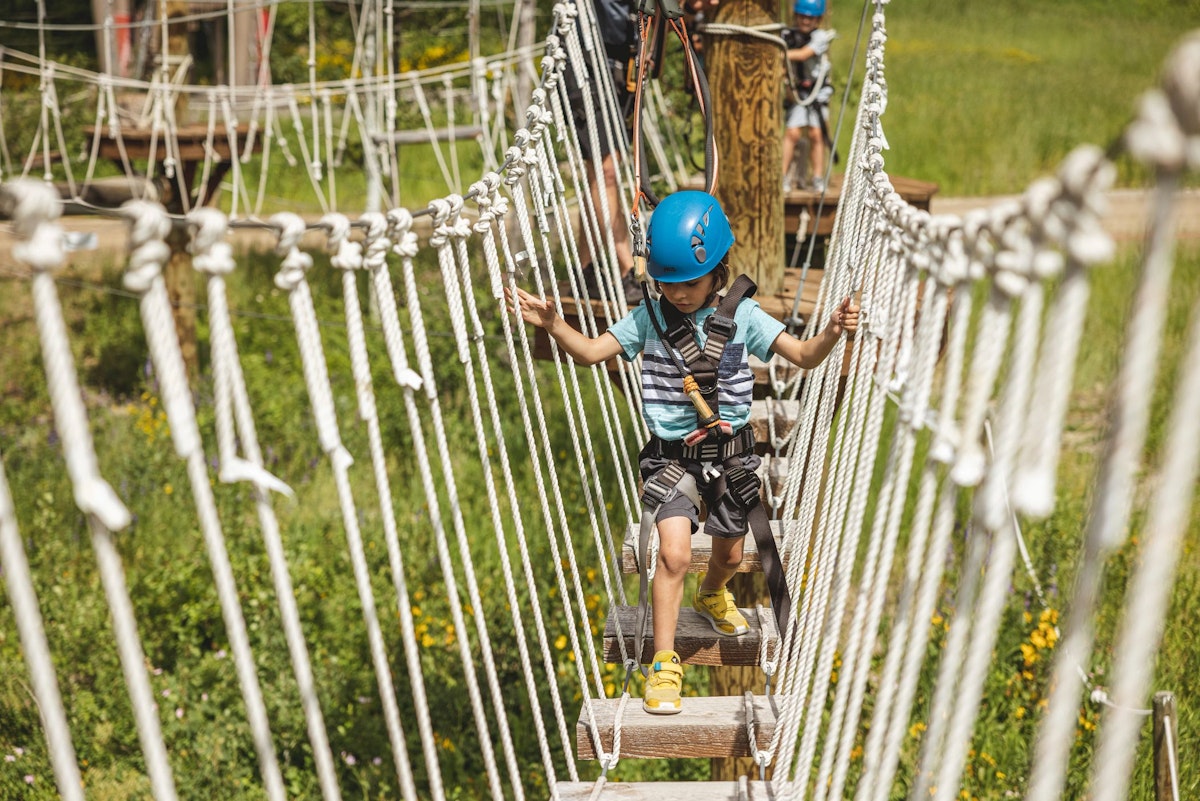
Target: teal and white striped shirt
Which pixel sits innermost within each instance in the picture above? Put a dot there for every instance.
(668, 411)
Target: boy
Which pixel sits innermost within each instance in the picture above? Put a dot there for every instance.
(808, 68)
(689, 238)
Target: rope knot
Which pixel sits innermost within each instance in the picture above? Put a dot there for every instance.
(404, 240)
(346, 255)
(211, 254)
(376, 243)
(295, 261)
(149, 252)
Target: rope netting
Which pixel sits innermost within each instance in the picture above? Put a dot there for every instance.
(949, 422)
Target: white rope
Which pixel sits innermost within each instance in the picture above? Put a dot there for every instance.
(492, 206)
(34, 212)
(450, 232)
(290, 278)
(212, 256)
(149, 253)
(405, 246)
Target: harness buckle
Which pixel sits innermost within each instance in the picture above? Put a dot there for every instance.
(742, 486)
(655, 493)
(724, 327)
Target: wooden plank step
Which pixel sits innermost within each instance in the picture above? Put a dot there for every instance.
(701, 549)
(695, 641)
(768, 412)
(707, 726)
(662, 791)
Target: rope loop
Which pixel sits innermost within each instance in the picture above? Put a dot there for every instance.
(376, 243)
(404, 240)
(516, 167)
(346, 255)
(211, 254)
(33, 207)
(149, 227)
(295, 261)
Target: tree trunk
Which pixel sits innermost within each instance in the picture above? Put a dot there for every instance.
(745, 75)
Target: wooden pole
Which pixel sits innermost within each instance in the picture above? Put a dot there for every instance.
(1166, 757)
(745, 74)
(179, 276)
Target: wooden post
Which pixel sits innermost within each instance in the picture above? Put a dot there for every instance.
(745, 75)
(1166, 757)
(178, 274)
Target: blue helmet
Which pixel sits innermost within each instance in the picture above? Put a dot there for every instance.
(688, 236)
(809, 8)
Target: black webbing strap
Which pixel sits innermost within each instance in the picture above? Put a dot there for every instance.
(703, 363)
(710, 449)
(720, 326)
(743, 487)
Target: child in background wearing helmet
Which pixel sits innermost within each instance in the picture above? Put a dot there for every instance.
(689, 238)
(808, 66)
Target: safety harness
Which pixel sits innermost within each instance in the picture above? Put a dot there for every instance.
(713, 442)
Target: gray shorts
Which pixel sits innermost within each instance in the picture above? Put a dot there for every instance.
(725, 518)
(810, 116)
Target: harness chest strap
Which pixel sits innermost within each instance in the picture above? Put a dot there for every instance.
(720, 327)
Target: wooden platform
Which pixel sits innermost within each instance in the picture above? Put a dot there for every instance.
(706, 727)
(701, 549)
(695, 641)
(670, 791)
(798, 202)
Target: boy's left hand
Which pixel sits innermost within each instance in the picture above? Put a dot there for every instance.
(844, 318)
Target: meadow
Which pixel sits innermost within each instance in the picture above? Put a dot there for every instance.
(984, 98)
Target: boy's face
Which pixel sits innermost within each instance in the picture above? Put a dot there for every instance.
(805, 23)
(689, 296)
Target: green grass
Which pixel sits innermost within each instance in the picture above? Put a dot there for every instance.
(984, 97)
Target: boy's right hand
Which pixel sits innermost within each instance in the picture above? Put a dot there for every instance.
(532, 309)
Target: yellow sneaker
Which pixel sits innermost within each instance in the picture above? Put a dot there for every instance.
(719, 609)
(664, 684)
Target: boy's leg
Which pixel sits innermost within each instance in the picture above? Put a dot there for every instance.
(790, 137)
(723, 562)
(816, 152)
(664, 685)
(713, 601)
(674, 555)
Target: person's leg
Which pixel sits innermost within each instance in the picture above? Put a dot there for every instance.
(664, 685)
(713, 601)
(619, 226)
(816, 152)
(723, 562)
(674, 556)
(791, 136)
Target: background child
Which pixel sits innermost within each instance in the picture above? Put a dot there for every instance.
(808, 114)
(689, 238)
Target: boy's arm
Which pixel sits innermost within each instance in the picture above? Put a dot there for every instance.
(582, 349)
(809, 353)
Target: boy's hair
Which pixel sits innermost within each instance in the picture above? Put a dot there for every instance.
(720, 274)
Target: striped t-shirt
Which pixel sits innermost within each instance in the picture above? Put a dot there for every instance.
(668, 411)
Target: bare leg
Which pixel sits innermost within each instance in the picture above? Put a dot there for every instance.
(790, 137)
(619, 226)
(816, 152)
(722, 563)
(674, 555)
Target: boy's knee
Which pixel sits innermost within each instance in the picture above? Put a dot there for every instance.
(674, 561)
(728, 561)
